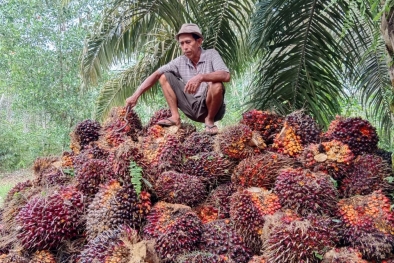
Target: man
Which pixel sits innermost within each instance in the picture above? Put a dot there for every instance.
(192, 82)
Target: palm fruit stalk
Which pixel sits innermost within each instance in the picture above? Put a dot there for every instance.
(302, 240)
(268, 124)
(260, 170)
(368, 224)
(220, 237)
(203, 257)
(116, 204)
(45, 222)
(247, 210)
(178, 188)
(196, 143)
(211, 167)
(85, 132)
(359, 134)
(306, 192)
(343, 255)
(369, 174)
(332, 157)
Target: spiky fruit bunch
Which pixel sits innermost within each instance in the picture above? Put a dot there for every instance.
(90, 175)
(170, 157)
(13, 258)
(305, 127)
(157, 116)
(85, 132)
(368, 174)
(359, 134)
(19, 189)
(43, 256)
(46, 222)
(202, 257)
(343, 255)
(303, 240)
(156, 131)
(115, 205)
(67, 160)
(287, 141)
(185, 131)
(220, 237)
(247, 210)
(196, 143)
(211, 166)
(177, 188)
(385, 155)
(306, 192)
(333, 157)
(234, 142)
(217, 205)
(47, 172)
(268, 124)
(260, 170)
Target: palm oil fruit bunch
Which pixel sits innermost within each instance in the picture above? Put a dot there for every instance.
(178, 188)
(160, 114)
(260, 170)
(171, 156)
(268, 124)
(43, 256)
(369, 174)
(359, 134)
(44, 222)
(196, 143)
(234, 142)
(343, 255)
(385, 155)
(247, 210)
(85, 132)
(306, 192)
(303, 240)
(212, 167)
(220, 237)
(203, 257)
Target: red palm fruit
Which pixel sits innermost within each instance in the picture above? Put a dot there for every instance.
(177, 188)
(170, 157)
(185, 131)
(248, 209)
(257, 259)
(368, 174)
(343, 255)
(260, 170)
(302, 240)
(42, 256)
(196, 143)
(45, 222)
(234, 141)
(287, 142)
(157, 116)
(85, 132)
(203, 257)
(219, 200)
(306, 192)
(220, 237)
(332, 157)
(305, 127)
(268, 124)
(211, 167)
(116, 204)
(359, 134)
(68, 160)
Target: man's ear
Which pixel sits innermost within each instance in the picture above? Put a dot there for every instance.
(199, 41)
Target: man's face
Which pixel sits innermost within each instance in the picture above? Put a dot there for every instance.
(189, 45)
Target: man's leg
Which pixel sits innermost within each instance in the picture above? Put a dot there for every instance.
(171, 99)
(214, 102)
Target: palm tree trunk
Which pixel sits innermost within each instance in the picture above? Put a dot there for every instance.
(387, 29)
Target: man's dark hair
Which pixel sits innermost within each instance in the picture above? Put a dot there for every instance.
(195, 36)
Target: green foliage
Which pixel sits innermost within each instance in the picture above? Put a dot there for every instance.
(136, 177)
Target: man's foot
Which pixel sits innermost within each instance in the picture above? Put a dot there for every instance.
(211, 129)
(167, 123)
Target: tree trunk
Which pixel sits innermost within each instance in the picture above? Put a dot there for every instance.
(387, 29)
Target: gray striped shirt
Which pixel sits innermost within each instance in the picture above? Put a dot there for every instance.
(210, 61)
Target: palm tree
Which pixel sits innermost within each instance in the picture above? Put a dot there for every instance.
(307, 53)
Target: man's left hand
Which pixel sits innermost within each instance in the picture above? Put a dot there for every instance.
(193, 84)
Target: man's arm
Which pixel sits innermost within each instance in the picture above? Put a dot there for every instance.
(217, 76)
(147, 84)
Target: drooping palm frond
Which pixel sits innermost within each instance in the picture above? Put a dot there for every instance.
(301, 56)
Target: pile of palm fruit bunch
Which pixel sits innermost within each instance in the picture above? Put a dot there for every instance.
(270, 189)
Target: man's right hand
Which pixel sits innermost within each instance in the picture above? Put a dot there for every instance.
(132, 101)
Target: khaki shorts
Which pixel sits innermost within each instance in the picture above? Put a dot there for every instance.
(193, 107)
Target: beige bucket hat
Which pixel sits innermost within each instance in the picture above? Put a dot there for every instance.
(189, 29)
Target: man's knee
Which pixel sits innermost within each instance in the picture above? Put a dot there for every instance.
(163, 79)
(216, 88)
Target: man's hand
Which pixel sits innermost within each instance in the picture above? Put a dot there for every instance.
(193, 84)
(132, 101)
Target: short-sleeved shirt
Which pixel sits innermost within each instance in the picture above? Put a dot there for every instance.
(182, 67)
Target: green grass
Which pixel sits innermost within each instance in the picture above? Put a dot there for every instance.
(4, 189)
(9, 180)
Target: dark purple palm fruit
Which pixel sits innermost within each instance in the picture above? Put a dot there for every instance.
(116, 204)
(212, 167)
(170, 157)
(260, 170)
(306, 192)
(359, 134)
(268, 124)
(220, 237)
(157, 116)
(302, 240)
(343, 255)
(197, 142)
(385, 155)
(369, 174)
(178, 188)
(185, 131)
(85, 132)
(234, 142)
(203, 257)
(45, 222)
(248, 209)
